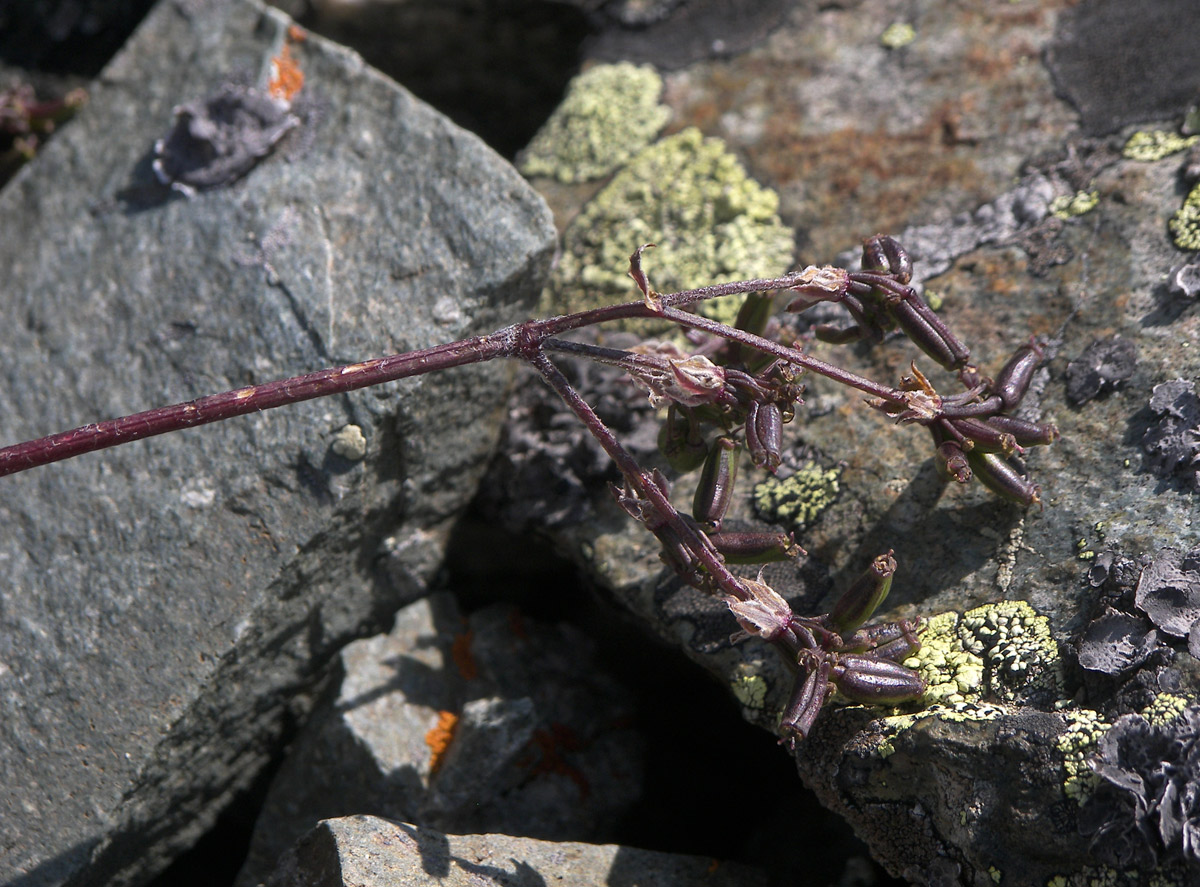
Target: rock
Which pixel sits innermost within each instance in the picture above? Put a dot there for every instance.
(167, 607)
(489, 724)
(366, 851)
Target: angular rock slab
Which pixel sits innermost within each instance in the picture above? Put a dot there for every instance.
(165, 606)
(492, 723)
(372, 852)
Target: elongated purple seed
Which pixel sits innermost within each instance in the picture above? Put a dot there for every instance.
(998, 475)
(764, 435)
(985, 436)
(1014, 377)
(865, 594)
(1026, 434)
(714, 492)
(752, 547)
(874, 681)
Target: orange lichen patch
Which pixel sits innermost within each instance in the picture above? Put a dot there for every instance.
(713, 865)
(439, 738)
(296, 34)
(460, 652)
(552, 744)
(286, 77)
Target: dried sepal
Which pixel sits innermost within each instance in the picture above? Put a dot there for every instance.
(762, 613)
(823, 283)
(653, 300)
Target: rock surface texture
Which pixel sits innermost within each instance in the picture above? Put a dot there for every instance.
(165, 609)
(492, 723)
(367, 850)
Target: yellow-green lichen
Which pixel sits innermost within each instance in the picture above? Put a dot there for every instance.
(897, 34)
(1016, 645)
(750, 689)
(797, 500)
(1155, 144)
(1084, 729)
(1000, 650)
(1185, 224)
(951, 673)
(692, 197)
(1165, 708)
(995, 874)
(609, 114)
(1066, 206)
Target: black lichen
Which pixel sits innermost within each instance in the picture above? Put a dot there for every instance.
(1169, 591)
(216, 141)
(1173, 442)
(1147, 804)
(1116, 642)
(1104, 365)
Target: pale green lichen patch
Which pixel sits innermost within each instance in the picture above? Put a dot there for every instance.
(691, 197)
(1185, 224)
(799, 499)
(1165, 708)
(952, 674)
(609, 114)
(897, 34)
(749, 688)
(1154, 144)
(1066, 206)
(1016, 645)
(1076, 743)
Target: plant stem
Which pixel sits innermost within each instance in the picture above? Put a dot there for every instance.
(643, 486)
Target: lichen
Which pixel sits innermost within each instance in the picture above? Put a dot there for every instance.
(1002, 650)
(897, 34)
(750, 690)
(1066, 206)
(691, 197)
(1185, 224)
(609, 114)
(1149, 145)
(349, 443)
(1077, 743)
(1165, 708)
(799, 499)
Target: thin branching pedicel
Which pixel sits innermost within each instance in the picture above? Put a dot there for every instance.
(734, 392)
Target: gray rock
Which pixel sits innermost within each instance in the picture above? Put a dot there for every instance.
(490, 724)
(165, 607)
(369, 852)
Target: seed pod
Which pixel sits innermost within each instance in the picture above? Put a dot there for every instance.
(764, 435)
(755, 548)
(874, 681)
(1014, 377)
(952, 461)
(808, 696)
(884, 254)
(893, 640)
(984, 436)
(865, 594)
(715, 489)
(680, 441)
(998, 475)
(1026, 434)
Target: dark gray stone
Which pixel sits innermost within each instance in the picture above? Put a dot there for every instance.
(167, 606)
(534, 744)
(365, 851)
